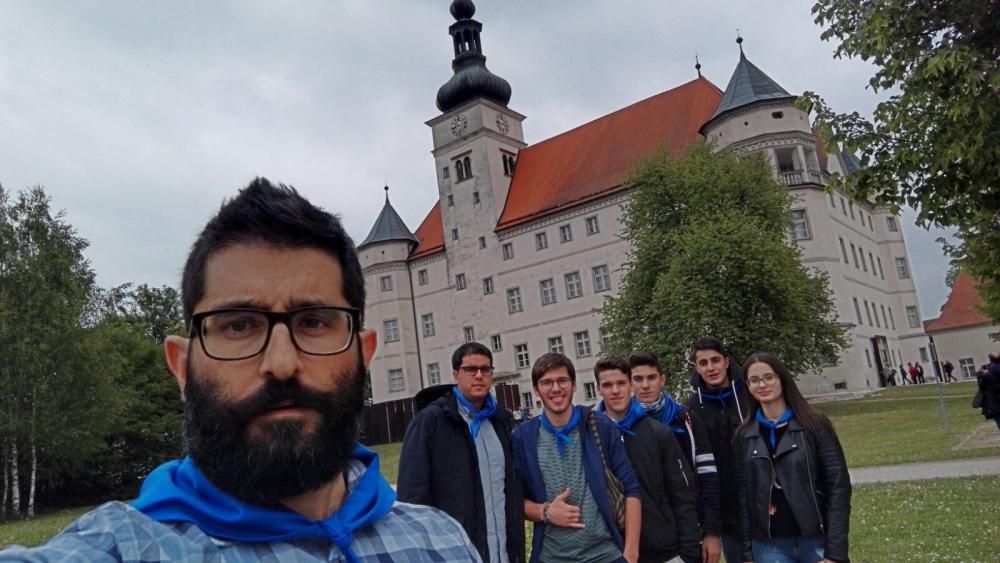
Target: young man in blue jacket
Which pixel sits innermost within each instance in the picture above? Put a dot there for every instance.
(558, 461)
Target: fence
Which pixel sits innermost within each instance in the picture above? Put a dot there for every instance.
(384, 423)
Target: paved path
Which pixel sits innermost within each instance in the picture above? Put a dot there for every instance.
(933, 470)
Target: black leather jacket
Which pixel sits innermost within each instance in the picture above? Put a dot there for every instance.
(813, 473)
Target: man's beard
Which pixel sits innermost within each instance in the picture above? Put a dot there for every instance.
(278, 461)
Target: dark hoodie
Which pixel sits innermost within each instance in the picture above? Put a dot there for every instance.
(721, 412)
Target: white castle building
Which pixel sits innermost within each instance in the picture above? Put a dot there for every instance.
(523, 244)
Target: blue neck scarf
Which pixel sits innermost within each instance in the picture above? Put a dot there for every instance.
(178, 492)
(489, 408)
(665, 409)
(722, 395)
(561, 433)
(774, 425)
(634, 414)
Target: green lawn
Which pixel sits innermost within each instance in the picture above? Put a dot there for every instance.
(388, 455)
(904, 425)
(38, 529)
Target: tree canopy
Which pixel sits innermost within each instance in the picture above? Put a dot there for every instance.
(711, 255)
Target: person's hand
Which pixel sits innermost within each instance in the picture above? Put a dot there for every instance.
(711, 549)
(564, 514)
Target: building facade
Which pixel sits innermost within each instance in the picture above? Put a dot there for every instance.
(962, 335)
(523, 244)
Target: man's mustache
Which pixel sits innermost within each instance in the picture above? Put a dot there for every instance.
(280, 393)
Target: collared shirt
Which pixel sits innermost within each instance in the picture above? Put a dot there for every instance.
(117, 532)
(489, 452)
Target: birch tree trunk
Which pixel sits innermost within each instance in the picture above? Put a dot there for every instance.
(34, 462)
(15, 483)
(6, 478)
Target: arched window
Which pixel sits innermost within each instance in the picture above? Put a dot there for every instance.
(459, 170)
(468, 167)
(506, 167)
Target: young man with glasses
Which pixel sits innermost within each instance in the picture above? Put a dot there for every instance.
(560, 466)
(456, 456)
(272, 378)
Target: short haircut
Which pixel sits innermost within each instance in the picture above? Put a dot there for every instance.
(644, 359)
(994, 358)
(468, 349)
(707, 343)
(609, 364)
(263, 213)
(548, 362)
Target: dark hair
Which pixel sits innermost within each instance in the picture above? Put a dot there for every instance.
(548, 362)
(611, 363)
(812, 420)
(278, 216)
(468, 349)
(707, 343)
(644, 359)
(994, 358)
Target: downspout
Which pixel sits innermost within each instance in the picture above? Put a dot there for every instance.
(419, 329)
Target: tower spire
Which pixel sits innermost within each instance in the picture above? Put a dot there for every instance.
(697, 65)
(471, 79)
(739, 40)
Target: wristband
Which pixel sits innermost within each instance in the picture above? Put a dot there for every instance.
(545, 512)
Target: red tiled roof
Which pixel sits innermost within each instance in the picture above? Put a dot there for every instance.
(430, 233)
(596, 158)
(960, 309)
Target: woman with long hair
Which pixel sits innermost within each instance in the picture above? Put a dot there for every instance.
(795, 491)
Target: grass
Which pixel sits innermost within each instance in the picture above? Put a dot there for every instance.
(388, 455)
(904, 425)
(38, 529)
(943, 520)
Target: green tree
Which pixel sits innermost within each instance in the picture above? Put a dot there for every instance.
(934, 144)
(711, 256)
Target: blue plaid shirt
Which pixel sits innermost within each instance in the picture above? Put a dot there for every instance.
(117, 532)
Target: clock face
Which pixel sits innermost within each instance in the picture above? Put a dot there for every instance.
(502, 125)
(459, 124)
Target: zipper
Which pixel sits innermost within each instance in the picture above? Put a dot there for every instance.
(680, 465)
(770, 490)
(812, 489)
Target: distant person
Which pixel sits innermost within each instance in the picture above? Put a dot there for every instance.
(669, 497)
(914, 374)
(560, 465)
(989, 385)
(949, 370)
(721, 402)
(649, 387)
(793, 477)
(272, 373)
(920, 371)
(456, 456)
(902, 375)
(891, 379)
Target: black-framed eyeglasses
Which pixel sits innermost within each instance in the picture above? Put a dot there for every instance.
(238, 334)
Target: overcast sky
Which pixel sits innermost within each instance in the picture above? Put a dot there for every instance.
(139, 117)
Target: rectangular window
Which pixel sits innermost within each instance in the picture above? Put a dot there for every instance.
(924, 356)
(605, 335)
(871, 226)
(850, 207)
(496, 342)
(854, 253)
(881, 273)
(451, 201)
(548, 288)
(565, 233)
(422, 277)
(602, 278)
(833, 203)
(433, 374)
(902, 272)
(475, 198)
(508, 251)
(482, 242)
(868, 313)
(514, 300)
(912, 316)
(574, 286)
(868, 357)
(967, 367)
(592, 225)
(526, 399)
(842, 386)
(786, 159)
(590, 390)
(892, 320)
(843, 250)
(885, 319)
(521, 355)
(556, 344)
(871, 258)
(541, 241)
(469, 333)
(857, 310)
(460, 282)
(396, 382)
(454, 234)
(390, 330)
(582, 341)
(446, 172)
(800, 225)
(386, 283)
(427, 321)
(487, 286)
(864, 265)
(843, 207)
(891, 224)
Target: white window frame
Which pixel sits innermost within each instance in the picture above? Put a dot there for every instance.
(913, 316)
(902, 268)
(967, 367)
(514, 303)
(434, 374)
(385, 283)
(496, 342)
(565, 233)
(488, 288)
(482, 243)
(891, 224)
(459, 282)
(604, 336)
(547, 288)
(581, 342)
(507, 250)
(522, 356)
(427, 322)
(469, 333)
(390, 330)
(593, 225)
(602, 278)
(556, 344)
(421, 277)
(541, 240)
(800, 225)
(590, 390)
(397, 382)
(574, 285)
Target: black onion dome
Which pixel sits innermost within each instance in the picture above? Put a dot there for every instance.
(471, 79)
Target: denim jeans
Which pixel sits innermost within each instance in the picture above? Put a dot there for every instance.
(789, 550)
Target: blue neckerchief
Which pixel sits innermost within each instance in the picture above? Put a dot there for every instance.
(729, 392)
(774, 425)
(634, 414)
(178, 492)
(561, 433)
(489, 408)
(665, 409)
